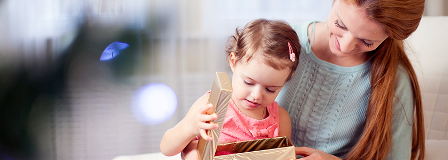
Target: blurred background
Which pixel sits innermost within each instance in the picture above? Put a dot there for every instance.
(95, 79)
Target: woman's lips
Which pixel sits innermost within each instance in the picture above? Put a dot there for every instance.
(336, 43)
(252, 104)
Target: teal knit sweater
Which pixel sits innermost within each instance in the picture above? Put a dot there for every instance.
(327, 104)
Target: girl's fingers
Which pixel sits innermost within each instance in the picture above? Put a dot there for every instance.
(208, 126)
(203, 110)
(207, 118)
(204, 135)
(203, 117)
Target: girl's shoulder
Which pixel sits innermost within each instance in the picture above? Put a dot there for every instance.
(282, 112)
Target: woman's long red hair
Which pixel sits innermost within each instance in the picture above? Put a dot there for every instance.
(399, 18)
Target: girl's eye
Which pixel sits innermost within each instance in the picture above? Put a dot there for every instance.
(271, 91)
(247, 82)
(367, 44)
(338, 25)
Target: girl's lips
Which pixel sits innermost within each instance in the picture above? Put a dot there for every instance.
(336, 43)
(251, 104)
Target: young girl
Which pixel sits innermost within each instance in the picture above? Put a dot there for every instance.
(262, 58)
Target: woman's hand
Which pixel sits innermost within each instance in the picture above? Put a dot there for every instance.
(190, 152)
(314, 154)
(200, 122)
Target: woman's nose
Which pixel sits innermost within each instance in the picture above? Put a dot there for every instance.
(347, 42)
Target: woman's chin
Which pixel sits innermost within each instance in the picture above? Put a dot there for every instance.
(337, 53)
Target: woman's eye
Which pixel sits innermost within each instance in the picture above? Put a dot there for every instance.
(270, 90)
(248, 83)
(367, 44)
(338, 25)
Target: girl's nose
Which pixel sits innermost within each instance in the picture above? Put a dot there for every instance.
(347, 42)
(256, 93)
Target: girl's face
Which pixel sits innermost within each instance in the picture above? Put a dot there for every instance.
(255, 84)
(352, 31)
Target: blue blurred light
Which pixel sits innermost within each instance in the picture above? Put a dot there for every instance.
(154, 103)
(112, 50)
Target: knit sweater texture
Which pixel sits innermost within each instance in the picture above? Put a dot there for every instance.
(327, 104)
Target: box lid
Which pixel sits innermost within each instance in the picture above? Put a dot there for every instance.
(220, 95)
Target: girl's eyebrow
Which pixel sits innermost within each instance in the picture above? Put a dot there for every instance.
(256, 81)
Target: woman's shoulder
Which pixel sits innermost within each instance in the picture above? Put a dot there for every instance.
(402, 76)
(302, 29)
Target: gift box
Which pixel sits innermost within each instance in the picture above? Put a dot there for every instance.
(279, 148)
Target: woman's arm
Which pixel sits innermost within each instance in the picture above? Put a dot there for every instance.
(308, 153)
(403, 114)
(191, 152)
(284, 123)
(193, 124)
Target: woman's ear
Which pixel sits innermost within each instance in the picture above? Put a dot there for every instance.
(232, 60)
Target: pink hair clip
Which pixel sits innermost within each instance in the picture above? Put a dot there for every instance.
(292, 56)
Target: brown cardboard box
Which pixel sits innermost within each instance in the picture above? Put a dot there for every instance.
(279, 148)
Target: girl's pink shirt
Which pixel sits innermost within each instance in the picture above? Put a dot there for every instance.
(238, 127)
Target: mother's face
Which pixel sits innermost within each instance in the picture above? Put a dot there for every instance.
(352, 31)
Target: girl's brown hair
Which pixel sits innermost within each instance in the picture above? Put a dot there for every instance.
(269, 38)
(399, 18)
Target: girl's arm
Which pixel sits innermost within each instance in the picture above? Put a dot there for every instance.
(285, 123)
(193, 124)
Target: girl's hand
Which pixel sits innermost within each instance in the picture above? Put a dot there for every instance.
(191, 126)
(198, 122)
(314, 154)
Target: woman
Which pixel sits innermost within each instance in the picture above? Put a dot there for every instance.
(354, 91)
